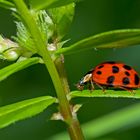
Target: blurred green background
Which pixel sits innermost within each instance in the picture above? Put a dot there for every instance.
(91, 17)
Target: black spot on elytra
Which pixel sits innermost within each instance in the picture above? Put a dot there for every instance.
(101, 66)
(125, 81)
(110, 80)
(127, 73)
(127, 67)
(137, 80)
(110, 62)
(115, 69)
(98, 72)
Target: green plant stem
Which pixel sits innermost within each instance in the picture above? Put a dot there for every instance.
(41, 49)
(75, 131)
(62, 74)
(74, 128)
(62, 89)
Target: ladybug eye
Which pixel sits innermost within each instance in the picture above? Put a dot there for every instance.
(81, 82)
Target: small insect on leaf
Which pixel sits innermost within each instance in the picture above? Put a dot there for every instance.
(111, 74)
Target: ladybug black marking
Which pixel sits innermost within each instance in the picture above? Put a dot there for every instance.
(111, 74)
(110, 80)
(110, 62)
(127, 73)
(137, 80)
(115, 69)
(89, 72)
(127, 67)
(101, 66)
(99, 72)
(125, 81)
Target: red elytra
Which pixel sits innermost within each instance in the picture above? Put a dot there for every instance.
(111, 74)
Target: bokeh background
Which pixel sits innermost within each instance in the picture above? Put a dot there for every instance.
(91, 17)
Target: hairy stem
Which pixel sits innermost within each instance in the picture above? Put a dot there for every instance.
(74, 128)
(62, 74)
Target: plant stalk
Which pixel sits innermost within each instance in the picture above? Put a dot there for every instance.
(74, 128)
(75, 131)
(65, 109)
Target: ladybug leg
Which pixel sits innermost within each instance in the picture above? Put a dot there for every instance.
(91, 85)
(101, 87)
(88, 86)
(128, 89)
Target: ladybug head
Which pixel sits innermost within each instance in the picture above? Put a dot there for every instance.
(80, 84)
(83, 81)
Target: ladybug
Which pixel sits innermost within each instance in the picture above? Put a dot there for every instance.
(111, 74)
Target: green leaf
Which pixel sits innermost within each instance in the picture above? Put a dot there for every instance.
(6, 4)
(108, 93)
(30, 24)
(11, 69)
(113, 122)
(111, 39)
(24, 38)
(62, 18)
(121, 119)
(38, 4)
(59, 136)
(24, 109)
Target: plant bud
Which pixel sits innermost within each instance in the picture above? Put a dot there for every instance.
(6, 44)
(12, 54)
(51, 47)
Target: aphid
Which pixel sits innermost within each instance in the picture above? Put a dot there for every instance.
(111, 74)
